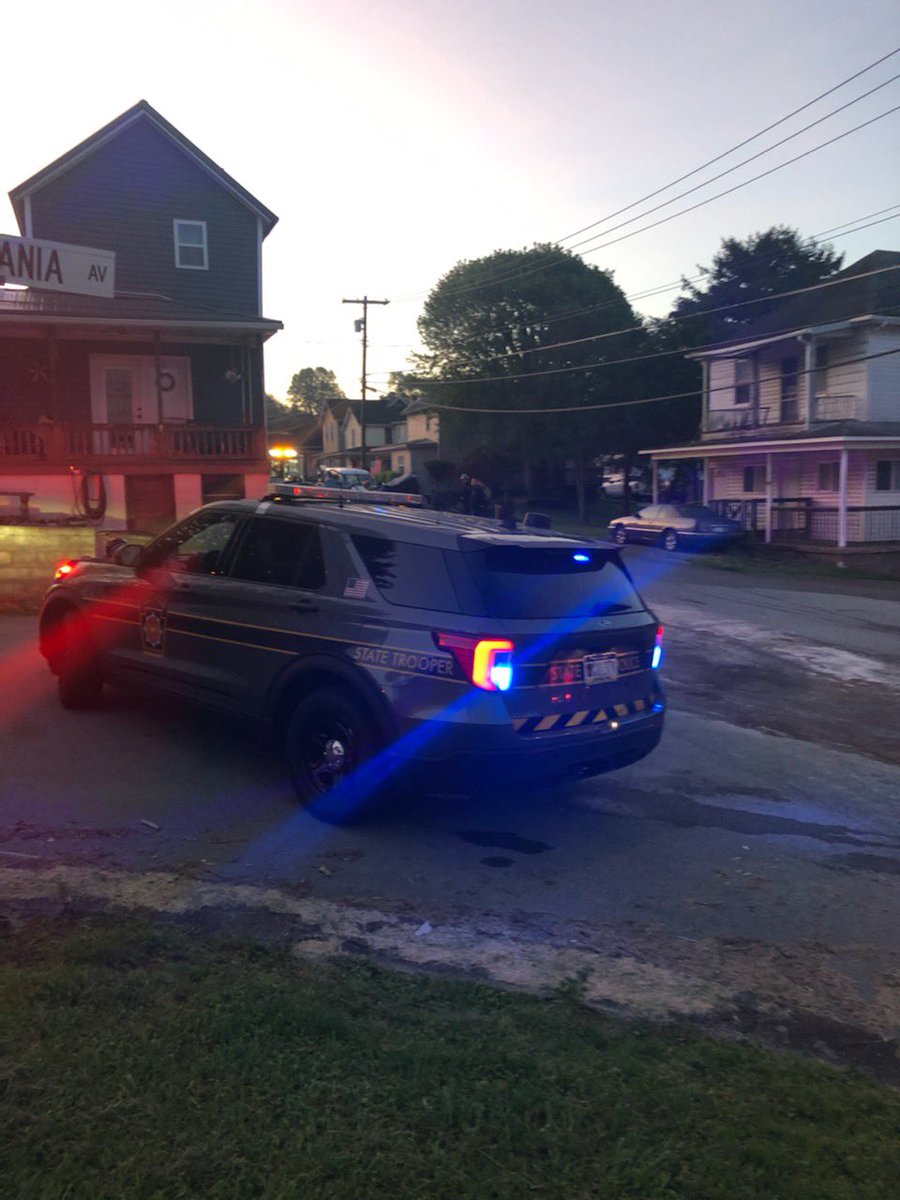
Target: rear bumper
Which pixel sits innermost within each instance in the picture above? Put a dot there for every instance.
(459, 758)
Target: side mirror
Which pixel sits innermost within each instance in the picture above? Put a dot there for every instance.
(129, 555)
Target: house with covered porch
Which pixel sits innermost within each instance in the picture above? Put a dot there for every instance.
(131, 333)
(800, 432)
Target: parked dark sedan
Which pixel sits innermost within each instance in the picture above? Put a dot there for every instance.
(675, 527)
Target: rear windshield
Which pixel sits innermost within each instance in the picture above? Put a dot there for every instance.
(523, 582)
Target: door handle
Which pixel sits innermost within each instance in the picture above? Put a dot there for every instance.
(303, 606)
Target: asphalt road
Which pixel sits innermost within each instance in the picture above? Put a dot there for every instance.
(763, 834)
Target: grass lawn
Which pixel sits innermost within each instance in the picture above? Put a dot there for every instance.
(139, 1062)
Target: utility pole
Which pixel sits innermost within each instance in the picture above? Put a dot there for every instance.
(362, 325)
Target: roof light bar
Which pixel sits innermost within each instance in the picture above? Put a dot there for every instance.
(305, 491)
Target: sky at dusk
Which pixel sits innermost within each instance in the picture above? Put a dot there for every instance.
(395, 138)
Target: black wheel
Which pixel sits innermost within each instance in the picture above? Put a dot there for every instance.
(331, 743)
(669, 539)
(620, 537)
(78, 673)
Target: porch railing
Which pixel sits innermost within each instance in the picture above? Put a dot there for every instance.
(796, 520)
(836, 408)
(48, 444)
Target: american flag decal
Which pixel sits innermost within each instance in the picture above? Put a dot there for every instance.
(356, 589)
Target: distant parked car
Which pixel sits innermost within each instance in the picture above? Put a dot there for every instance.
(675, 527)
(614, 485)
(345, 477)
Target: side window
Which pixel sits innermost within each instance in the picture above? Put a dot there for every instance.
(191, 252)
(407, 574)
(649, 514)
(195, 546)
(286, 553)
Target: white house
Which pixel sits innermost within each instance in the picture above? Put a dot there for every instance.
(800, 434)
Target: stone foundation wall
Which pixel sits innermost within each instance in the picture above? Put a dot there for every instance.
(29, 554)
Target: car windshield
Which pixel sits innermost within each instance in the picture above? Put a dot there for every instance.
(524, 582)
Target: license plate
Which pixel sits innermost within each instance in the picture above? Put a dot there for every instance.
(600, 668)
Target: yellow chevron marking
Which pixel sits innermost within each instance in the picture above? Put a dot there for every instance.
(518, 722)
(621, 710)
(577, 718)
(546, 723)
(601, 716)
(640, 705)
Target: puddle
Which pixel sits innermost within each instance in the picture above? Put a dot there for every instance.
(502, 841)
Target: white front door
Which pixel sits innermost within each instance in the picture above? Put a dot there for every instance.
(125, 389)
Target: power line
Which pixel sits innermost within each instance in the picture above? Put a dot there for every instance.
(701, 203)
(712, 161)
(598, 337)
(661, 288)
(578, 408)
(697, 187)
(739, 146)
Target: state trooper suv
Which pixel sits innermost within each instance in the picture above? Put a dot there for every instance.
(381, 643)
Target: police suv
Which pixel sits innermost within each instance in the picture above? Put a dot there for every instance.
(381, 643)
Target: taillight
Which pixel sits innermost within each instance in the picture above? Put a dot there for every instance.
(657, 649)
(64, 569)
(488, 662)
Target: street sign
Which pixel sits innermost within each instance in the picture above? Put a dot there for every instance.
(57, 267)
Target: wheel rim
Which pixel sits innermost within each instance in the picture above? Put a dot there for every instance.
(670, 541)
(326, 754)
(620, 536)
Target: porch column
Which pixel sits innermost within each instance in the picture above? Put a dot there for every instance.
(842, 501)
(705, 462)
(809, 366)
(655, 468)
(704, 396)
(769, 489)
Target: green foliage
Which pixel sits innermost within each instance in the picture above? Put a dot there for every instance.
(138, 1064)
(311, 388)
(762, 265)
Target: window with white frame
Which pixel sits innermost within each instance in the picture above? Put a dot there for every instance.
(743, 381)
(829, 476)
(191, 251)
(887, 475)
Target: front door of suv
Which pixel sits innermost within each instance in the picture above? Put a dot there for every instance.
(268, 608)
(157, 643)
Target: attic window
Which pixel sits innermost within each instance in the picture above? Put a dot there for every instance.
(190, 245)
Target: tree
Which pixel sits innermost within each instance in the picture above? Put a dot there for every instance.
(312, 388)
(534, 329)
(762, 265)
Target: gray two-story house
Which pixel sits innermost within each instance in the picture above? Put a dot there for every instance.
(133, 407)
(800, 435)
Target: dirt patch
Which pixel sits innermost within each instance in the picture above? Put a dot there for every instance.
(798, 998)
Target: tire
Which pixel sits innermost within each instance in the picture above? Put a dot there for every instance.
(79, 681)
(331, 741)
(669, 539)
(620, 537)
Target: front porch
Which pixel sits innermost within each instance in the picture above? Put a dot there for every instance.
(820, 491)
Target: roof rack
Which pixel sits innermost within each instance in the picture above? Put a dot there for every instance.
(301, 491)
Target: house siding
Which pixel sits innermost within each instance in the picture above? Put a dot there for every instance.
(124, 197)
(883, 375)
